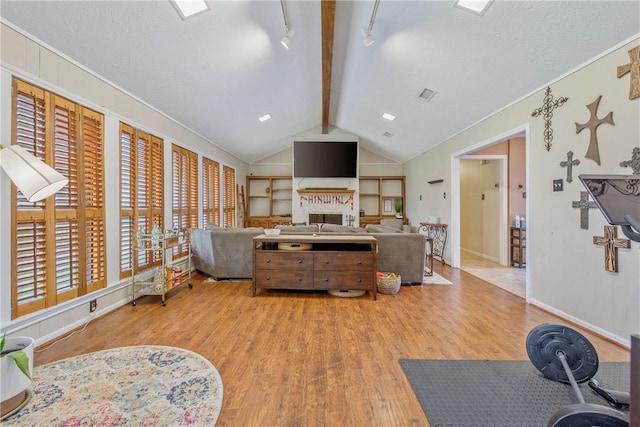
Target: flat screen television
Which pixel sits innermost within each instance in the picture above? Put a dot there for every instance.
(326, 159)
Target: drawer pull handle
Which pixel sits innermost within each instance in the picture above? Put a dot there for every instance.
(359, 280)
(359, 262)
(268, 277)
(299, 261)
(268, 261)
(326, 261)
(326, 279)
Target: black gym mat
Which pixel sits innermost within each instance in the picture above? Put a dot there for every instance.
(498, 393)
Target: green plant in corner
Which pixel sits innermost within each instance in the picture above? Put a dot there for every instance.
(19, 356)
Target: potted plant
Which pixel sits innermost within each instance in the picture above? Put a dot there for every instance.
(16, 365)
(397, 205)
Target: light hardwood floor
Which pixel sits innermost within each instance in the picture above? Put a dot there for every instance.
(311, 359)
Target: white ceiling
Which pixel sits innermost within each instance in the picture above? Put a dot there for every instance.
(217, 72)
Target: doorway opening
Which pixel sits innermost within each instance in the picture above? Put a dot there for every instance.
(489, 186)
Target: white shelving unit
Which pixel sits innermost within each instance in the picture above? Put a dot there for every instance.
(167, 276)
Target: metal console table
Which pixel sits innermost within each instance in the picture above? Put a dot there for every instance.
(438, 233)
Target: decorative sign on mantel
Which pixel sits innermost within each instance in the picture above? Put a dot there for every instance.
(326, 197)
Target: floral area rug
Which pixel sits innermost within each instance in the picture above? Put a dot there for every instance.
(139, 385)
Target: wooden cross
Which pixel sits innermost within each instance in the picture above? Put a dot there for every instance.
(584, 204)
(634, 163)
(569, 165)
(592, 152)
(548, 105)
(611, 244)
(632, 67)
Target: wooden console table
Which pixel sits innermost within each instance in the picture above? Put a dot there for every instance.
(329, 263)
(437, 232)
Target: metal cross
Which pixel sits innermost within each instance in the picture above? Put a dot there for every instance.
(584, 204)
(569, 165)
(634, 163)
(548, 105)
(632, 67)
(611, 244)
(592, 152)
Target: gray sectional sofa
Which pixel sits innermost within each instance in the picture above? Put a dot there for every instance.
(225, 253)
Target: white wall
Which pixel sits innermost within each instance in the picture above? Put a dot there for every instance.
(567, 271)
(480, 208)
(24, 58)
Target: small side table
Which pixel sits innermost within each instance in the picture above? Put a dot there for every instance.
(429, 258)
(438, 233)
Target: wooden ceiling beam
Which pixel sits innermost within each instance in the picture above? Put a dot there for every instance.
(328, 23)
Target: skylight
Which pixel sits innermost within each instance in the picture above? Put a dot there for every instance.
(188, 8)
(388, 116)
(478, 7)
(264, 118)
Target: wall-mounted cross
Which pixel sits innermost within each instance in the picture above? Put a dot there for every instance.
(548, 105)
(632, 67)
(584, 204)
(569, 164)
(592, 152)
(634, 163)
(611, 244)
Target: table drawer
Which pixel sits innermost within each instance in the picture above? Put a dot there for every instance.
(347, 280)
(289, 279)
(281, 259)
(343, 261)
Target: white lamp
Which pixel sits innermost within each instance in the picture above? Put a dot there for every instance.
(33, 177)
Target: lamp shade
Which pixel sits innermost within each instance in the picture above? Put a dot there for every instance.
(33, 177)
(286, 39)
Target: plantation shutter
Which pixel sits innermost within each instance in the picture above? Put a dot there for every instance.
(28, 255)
(210, 191)
(229, 190)
(141, 195)
(92, 198)
(127, 199)
(58, 244)
(65, 241)
(184, 193)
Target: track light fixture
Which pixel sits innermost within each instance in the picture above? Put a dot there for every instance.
(288, 35)
(367, 37)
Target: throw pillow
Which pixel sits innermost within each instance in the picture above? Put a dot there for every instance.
(376, 228)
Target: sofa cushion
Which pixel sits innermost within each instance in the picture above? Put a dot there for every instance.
(334, 228)
(375, 228)
(297, 228)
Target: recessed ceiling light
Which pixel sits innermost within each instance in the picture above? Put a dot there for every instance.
(264, 118)
(388, 116)
(188, 8)
(479, 7)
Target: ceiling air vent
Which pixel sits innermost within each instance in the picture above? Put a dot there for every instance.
(427, 94)
(388, 134)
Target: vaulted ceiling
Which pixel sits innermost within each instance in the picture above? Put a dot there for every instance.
(218, 71)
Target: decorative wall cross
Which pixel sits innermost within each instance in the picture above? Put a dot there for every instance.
(632, 67)
(548, 105)
(592, 152)
(569, 164)
(584, 204)
(611, 244)
(634, 163)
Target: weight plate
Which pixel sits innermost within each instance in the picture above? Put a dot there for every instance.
(547, 340)
(588, 415)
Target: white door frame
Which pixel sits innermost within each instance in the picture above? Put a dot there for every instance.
(454, 232)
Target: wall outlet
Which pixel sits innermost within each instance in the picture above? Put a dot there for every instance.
(93, 305)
